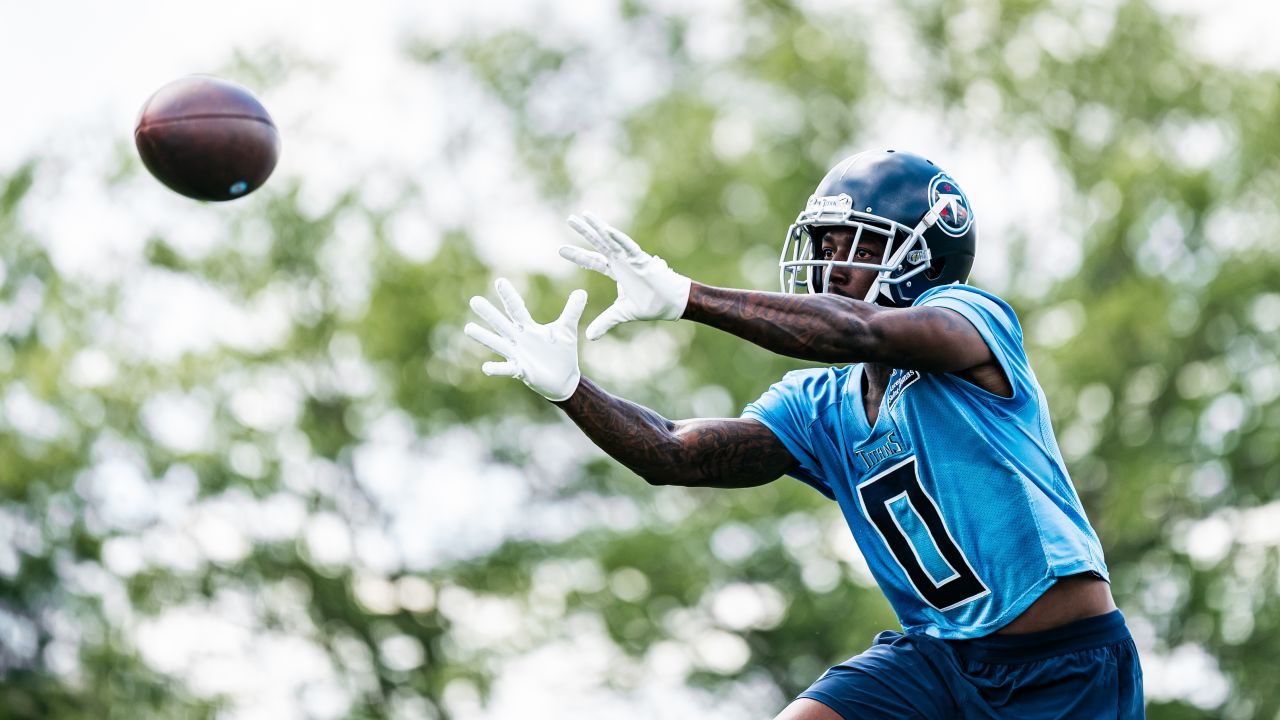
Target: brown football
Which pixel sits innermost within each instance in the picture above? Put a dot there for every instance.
(207, 138)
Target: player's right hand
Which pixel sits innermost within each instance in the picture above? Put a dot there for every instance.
(647, 288)
(544, 357)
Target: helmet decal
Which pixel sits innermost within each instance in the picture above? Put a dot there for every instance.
(956, 218)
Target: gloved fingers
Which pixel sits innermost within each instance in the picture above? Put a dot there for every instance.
(605, 322)
(514, 304)
(493, 316)
(633, 251)
(602, 230)
(501, 369)
(622, 242)
(572, 313)
(587, 260)
(589, 234)
(489, 339)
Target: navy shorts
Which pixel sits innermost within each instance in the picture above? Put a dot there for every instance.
(1085, 669)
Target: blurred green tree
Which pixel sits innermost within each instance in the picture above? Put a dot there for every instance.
(1146, 281)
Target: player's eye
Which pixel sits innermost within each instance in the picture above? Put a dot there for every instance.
(828, 253)
(863, 253)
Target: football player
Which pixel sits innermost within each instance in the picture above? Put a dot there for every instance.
(929, 429)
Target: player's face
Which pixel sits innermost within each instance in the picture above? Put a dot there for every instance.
(837, 244)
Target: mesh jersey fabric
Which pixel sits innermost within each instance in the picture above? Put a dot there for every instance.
(958, 498)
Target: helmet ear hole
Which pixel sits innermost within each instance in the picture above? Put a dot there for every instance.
(935, 268)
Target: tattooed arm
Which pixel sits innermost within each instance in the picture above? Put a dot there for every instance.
(831, 328)
(725, 453)
(826, 328)
(718, 453)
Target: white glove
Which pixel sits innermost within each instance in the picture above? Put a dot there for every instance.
(545, 357)
(647, 288)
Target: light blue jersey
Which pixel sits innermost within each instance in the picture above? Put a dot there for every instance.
(958, 498)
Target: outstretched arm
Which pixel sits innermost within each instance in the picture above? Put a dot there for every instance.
(725, 453)
(825, 328)
(715, 453)
(835, 329)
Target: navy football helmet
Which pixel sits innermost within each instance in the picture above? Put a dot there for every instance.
(924, 216)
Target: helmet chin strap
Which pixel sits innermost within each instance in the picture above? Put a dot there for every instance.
(879, 293)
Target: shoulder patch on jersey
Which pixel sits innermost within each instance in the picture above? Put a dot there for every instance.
(897, 386)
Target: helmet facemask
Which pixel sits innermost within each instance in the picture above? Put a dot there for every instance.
(906, 252)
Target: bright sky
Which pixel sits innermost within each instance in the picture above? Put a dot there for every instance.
(76, 75)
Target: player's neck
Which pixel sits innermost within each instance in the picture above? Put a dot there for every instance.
(877, 378)
(874, 380)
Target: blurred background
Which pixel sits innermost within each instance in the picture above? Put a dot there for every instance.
(249, 467)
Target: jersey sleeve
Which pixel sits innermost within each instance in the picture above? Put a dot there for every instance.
(790, 408)
(998, 325)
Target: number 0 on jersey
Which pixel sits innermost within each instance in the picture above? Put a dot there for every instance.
(912, 527)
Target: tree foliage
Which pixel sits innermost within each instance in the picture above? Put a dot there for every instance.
(269, 473)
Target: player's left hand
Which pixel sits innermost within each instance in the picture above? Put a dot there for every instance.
(647, 288)
(545, 357)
